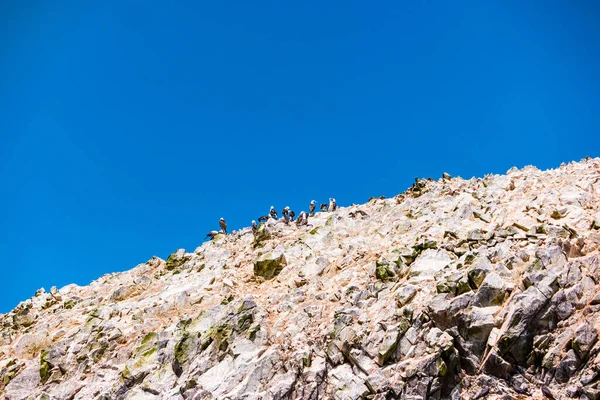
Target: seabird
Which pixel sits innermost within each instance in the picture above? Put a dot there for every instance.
(285, 211)
(332, 206)
(323, 207)
(273, 213)
(254, 227)
(286, 219)
(212, 234)
(302, 218)
(223, 225)
(292, 215)
(264, 218)
(311, 208)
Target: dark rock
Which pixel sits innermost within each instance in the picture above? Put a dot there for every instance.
(567, 367)
(585, 338)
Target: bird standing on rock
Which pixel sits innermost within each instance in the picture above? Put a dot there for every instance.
(311, 208)
(332, 205)
(302, 218)
(223, 225)
(273, 213)
(323, 207)
(292, 215)
(212, 234)
(285, 211)
(254, 227)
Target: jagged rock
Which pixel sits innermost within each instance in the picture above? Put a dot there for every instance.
(261, 235)
(478, 271)
(176, 259)
(567, 367)
(492, 291)
(383, 270)
(585, 338)
(270, 264)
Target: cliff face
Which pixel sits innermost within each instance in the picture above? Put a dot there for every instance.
(462, 289)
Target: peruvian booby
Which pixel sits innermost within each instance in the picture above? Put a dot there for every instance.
(223, 225)
(311, 208)
(263, 218)
(302, 218)
(323, 207)
(273, 213)
(254, 227)
(332, 206)
(285, 211)
(292, 215)
(212, 234)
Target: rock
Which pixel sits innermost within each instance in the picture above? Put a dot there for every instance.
(585, 338)
(269, 265)
(567, 367)
(23, 385)
(176, 260)
(492, 291)
(518, 329)
(25, 317)
(383, 270)
(405, 294)
(261, 236)
(478, 271)
(346, 384)
(430, 262)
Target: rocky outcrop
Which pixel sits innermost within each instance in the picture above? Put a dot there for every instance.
(455, 289)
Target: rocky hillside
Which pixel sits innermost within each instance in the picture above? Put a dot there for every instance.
(458, 289)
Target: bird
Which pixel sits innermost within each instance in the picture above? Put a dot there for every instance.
(302, 218)
(332, 206)
(286, 218)
(285, 211)
(212, 234)
(292, 215)
(311, 208)
(323, 207)
(273, 213)
(223, 225)
(263, 218)
(254, 227)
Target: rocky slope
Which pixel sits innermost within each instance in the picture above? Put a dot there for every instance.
(461, 289)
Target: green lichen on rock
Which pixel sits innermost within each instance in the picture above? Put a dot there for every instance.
(244, 321)
(176, 260)
(424, 244)
(262, 235)
(269, 265)
(315, 230)
(69, 304)
(383, 270)
(45, 366)
(150, 336)
(183, 347)
(447, 286)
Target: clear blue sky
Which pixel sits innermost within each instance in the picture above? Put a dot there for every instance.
(127, 130)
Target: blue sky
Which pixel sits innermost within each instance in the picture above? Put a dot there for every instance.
(129, 129)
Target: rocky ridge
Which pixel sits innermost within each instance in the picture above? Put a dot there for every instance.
(455, 289)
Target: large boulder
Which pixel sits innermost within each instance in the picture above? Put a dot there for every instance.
(269, 264)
